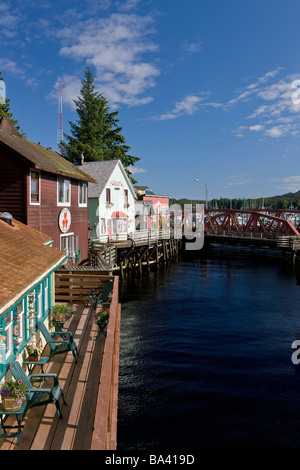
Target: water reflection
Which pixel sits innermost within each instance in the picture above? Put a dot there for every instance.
(205, 357)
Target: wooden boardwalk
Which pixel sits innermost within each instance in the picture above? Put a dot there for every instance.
(78, 430)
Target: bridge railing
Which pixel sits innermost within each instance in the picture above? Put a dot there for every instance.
(244, 234)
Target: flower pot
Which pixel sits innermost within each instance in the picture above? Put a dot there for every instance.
(11, 404)
(59, 317)
(34, 358)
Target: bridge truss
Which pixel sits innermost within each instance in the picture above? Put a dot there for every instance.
(269, 223)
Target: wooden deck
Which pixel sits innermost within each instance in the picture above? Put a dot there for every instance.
(90, 387)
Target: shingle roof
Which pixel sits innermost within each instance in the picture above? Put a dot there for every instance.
(41, 157)
(101, 171)
(24, 259)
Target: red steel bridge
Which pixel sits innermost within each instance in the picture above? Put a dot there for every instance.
(258, 226)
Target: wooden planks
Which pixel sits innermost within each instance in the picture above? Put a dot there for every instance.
(93, 381)
(104, 436)
(74, 287)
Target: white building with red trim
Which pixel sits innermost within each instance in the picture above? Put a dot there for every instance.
(111, 201)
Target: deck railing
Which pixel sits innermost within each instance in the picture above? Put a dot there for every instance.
(71, 287)
(105, 422)
(74, 288)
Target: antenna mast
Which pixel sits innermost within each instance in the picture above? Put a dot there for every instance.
(59, 119)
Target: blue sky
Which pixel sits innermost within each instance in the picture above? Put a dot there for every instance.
(203, 87)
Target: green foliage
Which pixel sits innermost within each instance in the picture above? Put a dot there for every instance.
(65, 310)
(5, 110)
(13, 389)
(96, 134)
(102, 317)
(34, 351)
(286, 201)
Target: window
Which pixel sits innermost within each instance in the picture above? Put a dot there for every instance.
(103, 226)
(108, 198)
(120, 225)
(34, 187)
(40, 300)
(21, 317)
(63, 192)
(46, 295)
(126, 198)
(69, 244)
(9, 334)
(82, 194)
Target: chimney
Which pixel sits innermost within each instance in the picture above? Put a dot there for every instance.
(81, 159)
(6, 217)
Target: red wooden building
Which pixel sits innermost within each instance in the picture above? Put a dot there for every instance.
(44, 191)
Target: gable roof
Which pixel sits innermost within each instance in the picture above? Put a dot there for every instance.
(6, 125)
(25, 259)
(101, 171)
(39, 157)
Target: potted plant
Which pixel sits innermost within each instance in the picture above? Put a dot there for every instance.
(34, 352)
(58, 313)
(13, 393)
(102, 317)
(62, 312)
(69, 310)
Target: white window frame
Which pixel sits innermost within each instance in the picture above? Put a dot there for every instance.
(21, 315)
(37, 203)
(9, 335)
(103, 226)
(40, 300)
(64, 203)
(46, 291)
(71, 237)
(82, 191)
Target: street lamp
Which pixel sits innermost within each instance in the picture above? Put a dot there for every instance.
(196, 179)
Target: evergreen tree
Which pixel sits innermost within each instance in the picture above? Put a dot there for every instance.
(96, 134)
(5, 108)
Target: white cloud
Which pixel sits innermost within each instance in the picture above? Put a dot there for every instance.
(290, 183)
(187, 106)
(238, 183)
(9, 20)
(11, 67)
(192, 47)
(71, 89)
(115, 46)
(276, 131)
(135, 170)
(277, 114)
(257, 127)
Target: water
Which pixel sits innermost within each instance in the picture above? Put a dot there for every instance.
(205, 355)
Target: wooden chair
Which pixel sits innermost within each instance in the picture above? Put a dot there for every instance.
(38, 396)
(59, 346)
